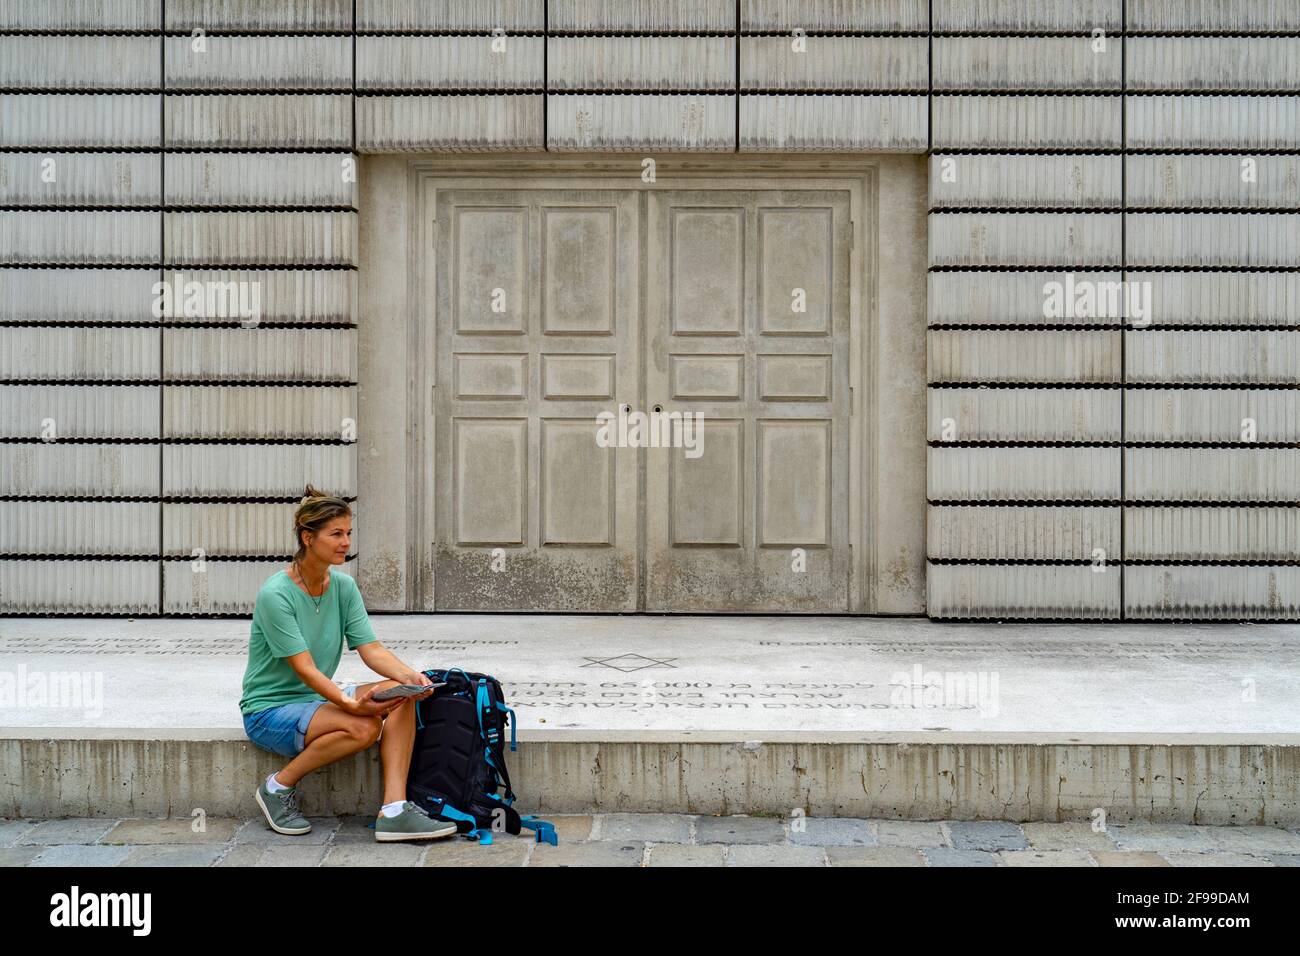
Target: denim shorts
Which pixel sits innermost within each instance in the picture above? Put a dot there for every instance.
(283, 730)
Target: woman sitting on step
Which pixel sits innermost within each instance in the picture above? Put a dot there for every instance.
(290, 704)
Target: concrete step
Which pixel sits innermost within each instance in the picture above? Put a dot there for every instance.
(859, 717)
(150, 774)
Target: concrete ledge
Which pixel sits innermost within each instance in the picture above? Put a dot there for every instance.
(864, 717)
(1198, 783)
(607, 735)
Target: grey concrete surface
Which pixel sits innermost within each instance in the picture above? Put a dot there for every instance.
(842, 717)
(727, 679)
(112, 776)
(647, 840)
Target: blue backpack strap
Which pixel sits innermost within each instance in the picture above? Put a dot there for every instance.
(445, 809)
(482, 705)
(545, 831)
(501, 706)
(482, 834)
(502, 775)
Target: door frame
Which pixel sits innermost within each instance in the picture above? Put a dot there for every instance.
(859, 175)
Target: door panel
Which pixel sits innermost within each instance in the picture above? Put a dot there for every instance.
(748, 325)
(538, 332)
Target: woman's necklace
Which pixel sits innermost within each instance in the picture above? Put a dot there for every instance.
(315, 600)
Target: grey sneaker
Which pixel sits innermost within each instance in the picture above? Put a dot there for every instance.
(282, 811)
(411, 824)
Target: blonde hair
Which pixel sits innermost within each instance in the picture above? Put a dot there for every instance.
(315, 510)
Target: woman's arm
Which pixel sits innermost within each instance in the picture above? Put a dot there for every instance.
(361, 638)
(386, 664)
(310, 674)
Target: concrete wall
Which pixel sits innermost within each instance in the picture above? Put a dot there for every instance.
(1218, 784)
(1073, 440)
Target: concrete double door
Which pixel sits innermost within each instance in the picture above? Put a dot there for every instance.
(556, 305)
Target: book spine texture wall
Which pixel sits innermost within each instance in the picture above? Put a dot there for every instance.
(1127, 449)
(1114, 285)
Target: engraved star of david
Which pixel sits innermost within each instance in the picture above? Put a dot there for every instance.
(628, 662)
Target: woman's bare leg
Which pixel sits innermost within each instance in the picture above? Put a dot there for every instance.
(395, 750)
(332, 735)
(325, 749)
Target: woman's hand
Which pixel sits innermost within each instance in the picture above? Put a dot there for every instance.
(421, 678)
(363, 706)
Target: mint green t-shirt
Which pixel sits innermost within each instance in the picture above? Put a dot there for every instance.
(285, 623)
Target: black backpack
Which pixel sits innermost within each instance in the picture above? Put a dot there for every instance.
(458, 762)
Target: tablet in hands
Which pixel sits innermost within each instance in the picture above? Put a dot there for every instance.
(404, 690)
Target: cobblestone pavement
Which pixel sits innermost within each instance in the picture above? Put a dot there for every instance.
(650, 839)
